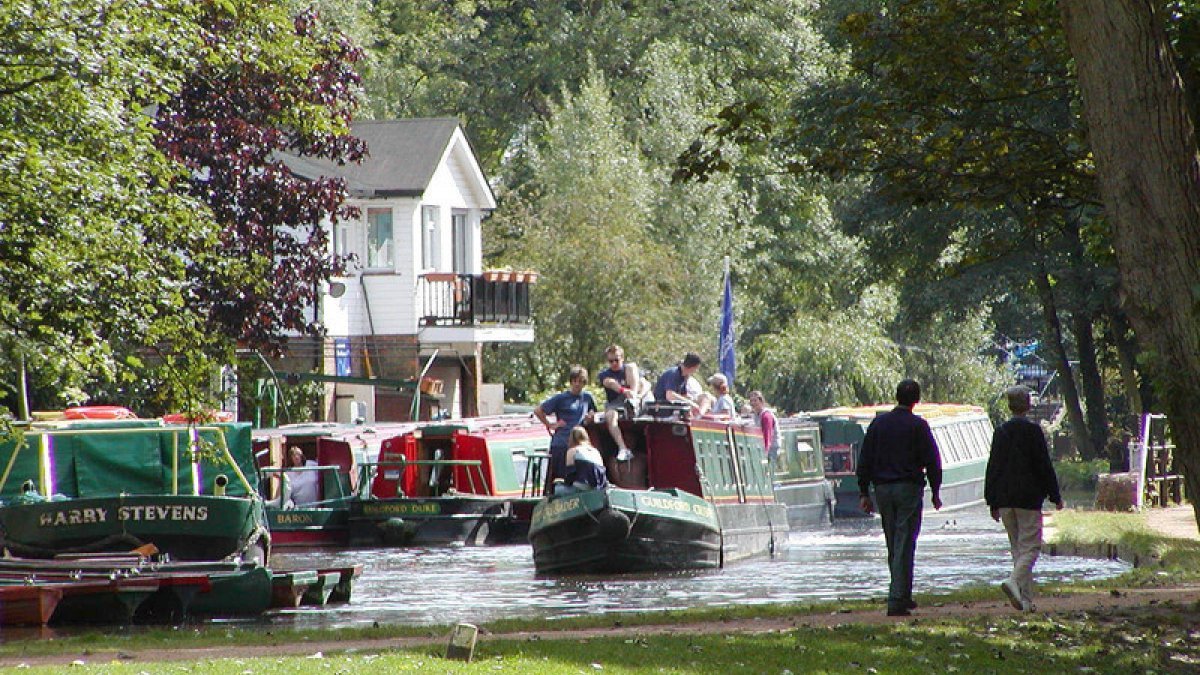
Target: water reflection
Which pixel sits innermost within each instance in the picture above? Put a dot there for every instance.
(446, 585)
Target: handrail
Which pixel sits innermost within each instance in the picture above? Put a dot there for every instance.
(533, 473)
(174, 431)
(366, 474)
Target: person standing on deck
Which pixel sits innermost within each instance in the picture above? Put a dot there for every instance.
(623, 391)
(767, 422)
(569, 408)
(1020, 476)
(898, 455)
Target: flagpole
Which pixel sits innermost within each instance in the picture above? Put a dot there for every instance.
(726, 338)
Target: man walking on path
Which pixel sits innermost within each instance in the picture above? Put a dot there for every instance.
(898, 455)
(1019, 477)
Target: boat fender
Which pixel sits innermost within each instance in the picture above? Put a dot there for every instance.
(395, 531)
(219, 485)
(612, 525)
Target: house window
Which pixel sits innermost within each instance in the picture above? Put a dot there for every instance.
(430, 257)
(341, 239)
(379, 238)
(461, 240)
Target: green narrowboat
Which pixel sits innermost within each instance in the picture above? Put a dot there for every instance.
(337, 451)
(695, 495)
(113, 486)
(799, 471)
(963, 434)
(472, 480)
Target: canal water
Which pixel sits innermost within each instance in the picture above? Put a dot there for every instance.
(422, 586)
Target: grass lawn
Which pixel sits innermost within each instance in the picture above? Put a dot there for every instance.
(1154, 638)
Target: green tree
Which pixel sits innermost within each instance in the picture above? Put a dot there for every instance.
(84, 194)
(588, 231)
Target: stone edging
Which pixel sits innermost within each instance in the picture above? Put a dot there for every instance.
(1103, 552)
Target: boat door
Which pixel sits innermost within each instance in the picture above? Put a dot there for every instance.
(394, 476)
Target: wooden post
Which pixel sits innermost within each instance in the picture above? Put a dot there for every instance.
(462, 642)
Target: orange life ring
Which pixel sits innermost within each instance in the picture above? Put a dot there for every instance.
(99, 412)
(199, 417)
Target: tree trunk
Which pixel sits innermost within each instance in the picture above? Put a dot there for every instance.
(1126, 346)
(1144, 143)
(1066, 379)
(1093, 386)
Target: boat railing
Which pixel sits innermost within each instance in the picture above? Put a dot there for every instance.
(532, 485)
(193, 438)
(474, 470)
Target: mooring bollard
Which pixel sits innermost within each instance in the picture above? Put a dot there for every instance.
(462, 642)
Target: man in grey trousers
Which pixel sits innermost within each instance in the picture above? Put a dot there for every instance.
(1019, 478)
(898, 455)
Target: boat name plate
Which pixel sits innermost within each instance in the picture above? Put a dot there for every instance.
(404, 508)
(87, 516)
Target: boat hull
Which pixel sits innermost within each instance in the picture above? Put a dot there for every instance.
(436, 521)
(28, 605)
(309, 527)
(236, 592)
(187, 527)
(809, 504)
(617, 531)
(963, 489)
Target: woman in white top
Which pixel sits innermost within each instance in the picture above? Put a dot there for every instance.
(585, 466)
(304, 484)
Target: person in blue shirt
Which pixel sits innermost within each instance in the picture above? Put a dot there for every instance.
(898, 456)
(673, 384)
(570, 409)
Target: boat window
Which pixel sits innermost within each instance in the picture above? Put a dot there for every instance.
(783, 462)
(807, 456)
(947, 444)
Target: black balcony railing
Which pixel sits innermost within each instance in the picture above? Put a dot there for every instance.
(473, 299)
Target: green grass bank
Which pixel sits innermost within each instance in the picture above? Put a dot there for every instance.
(977, 637)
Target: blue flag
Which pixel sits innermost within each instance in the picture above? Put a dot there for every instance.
(725, 347)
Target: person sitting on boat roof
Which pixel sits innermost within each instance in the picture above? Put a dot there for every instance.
(585, 463)
(569, 408)
(304, 484)
(723, 405)
(676, 384)
(624, 389)
(767, 422)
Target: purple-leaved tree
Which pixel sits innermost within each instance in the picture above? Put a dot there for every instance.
(268, 87)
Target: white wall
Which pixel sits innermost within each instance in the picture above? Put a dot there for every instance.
(394, 295)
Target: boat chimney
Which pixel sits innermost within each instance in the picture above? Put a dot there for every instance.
(219, 484)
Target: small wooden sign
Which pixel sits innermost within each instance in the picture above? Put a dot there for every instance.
(462, 642)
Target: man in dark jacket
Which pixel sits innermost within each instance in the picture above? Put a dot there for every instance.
(898, 455)
(1019, 477)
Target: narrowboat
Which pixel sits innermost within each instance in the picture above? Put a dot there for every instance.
(186, 492)
(696, 494)
(799, 475)
(338, 451)
(471, 481)
(963, 434)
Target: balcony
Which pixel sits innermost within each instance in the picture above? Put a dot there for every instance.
(494, 306)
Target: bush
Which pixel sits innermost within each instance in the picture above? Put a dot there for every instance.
(1079, 475)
